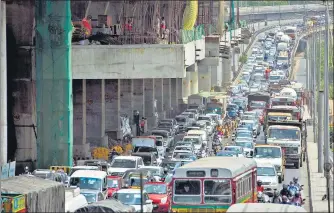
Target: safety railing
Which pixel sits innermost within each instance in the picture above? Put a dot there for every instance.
(192, 35)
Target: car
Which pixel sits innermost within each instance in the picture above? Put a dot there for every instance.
(239, 150)
(254, 88)
(195, 111)
(122, 163)
(267, 173)
(243, 133)
(255, 124)
(159, 193)
(134, 197)
(186, 148)
(227, 154)
(247, 145)
(183, 122)
(191, 116)
(114, 184)
(173, 123)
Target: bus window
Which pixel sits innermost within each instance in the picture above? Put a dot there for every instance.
(217, 191)
(187, 191)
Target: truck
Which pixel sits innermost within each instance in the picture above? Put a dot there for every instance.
(259, 96)
(290, 136)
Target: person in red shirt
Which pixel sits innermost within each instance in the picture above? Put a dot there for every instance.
(163, 27)
(267, 73)
(128, 26)
(259, 187)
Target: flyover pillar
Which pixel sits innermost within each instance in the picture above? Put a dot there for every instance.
(149, 96)
(174, 96)
(159, 97)
(167, 100)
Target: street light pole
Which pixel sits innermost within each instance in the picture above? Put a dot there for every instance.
(327, 165)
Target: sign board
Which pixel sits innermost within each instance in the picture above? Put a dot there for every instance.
(8, 170)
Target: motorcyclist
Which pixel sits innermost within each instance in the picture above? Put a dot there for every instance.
(297, 199)
(285, 200)
(285, 191)
(277, 198)
(260, 188)
(292, 187)
(295, 182)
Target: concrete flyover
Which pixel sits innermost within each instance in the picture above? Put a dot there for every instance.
(283, 12)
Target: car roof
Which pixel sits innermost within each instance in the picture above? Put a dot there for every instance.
(129, 191)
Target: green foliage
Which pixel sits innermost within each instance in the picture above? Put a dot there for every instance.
(243, 58)
(321, 59)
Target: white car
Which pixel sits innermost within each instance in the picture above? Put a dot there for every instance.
(120, 164)
(267, 173)
(247, 144)
(132, 197)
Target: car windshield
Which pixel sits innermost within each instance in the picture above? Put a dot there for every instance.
(226, 154)
(190, 115)
(155, 188)
(265, 171)
(90, 197)
(180, 119)
(203, 118)
(258, 104)
(169, 165)
(282, 58)
(112, 183)
(244, 134)
(123, 163)
(86, 183)
(128, 198)
(267, 152)
(283, 134)
(233, 149)
(187, 148)
(195, 141)
(278, 118)
(274, 77)
(248, 145)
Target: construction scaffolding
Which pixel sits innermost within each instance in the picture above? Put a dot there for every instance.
(140, 21)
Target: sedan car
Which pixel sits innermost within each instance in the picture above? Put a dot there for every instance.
(159, 194)
(239, 150)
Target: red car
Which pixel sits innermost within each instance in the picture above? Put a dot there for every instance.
(114, 184)
(160, 195)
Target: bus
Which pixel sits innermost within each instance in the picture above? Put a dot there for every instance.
(264, 207)
(207, 186)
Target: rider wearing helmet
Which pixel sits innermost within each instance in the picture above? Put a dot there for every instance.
(260, 188)
(297, 198)
(295, 182)
(277, 197)
(285, 191)
(292, 187)
(285, 200)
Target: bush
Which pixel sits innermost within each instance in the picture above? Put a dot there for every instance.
(243, 58)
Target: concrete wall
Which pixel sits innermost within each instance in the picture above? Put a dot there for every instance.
(129, 62)
(200, 49)
(189, 52)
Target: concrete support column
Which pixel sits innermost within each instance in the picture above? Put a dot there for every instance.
(194, 82)
(149, 102)
(84, 112)
(138, 99)
(167, 97)
(214, 76)
(113, 104)
(3, 86)
(186, 85)
(94, 112)
(104, 138)
(220, 72)
(174, 96)
(204, 78)
(159, 97)
(126, 98)
(227, 73)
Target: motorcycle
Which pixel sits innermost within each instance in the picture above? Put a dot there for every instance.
(298, 202)
(262, 198)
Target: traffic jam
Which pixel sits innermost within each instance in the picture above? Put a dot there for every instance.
(226, 150)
